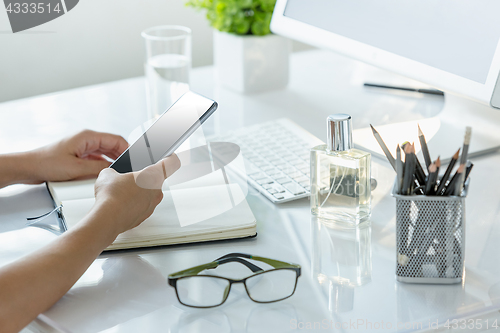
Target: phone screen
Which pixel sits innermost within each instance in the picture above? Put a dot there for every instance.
(167, 133)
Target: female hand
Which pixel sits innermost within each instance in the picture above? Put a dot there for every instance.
(76, 157)
(132, 197)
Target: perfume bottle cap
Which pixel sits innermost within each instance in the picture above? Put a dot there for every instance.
(339, 129)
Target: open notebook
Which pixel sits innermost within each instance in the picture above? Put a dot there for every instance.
(185, 215)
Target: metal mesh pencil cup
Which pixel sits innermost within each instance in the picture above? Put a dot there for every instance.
(430, 238)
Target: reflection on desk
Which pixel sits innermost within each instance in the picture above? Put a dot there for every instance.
(112, 291)
(341, 260)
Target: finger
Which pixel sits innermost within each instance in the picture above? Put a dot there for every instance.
(94, 157)
(92, 167)
(153, 176)
(170, 165)
(100, 143)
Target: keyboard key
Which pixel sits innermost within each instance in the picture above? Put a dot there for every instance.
(295, 174)
(294, 188)
(301, 179)
(279, 188)
(278, 196)
(265, 181)
(267, 186)
(268, 168)
(258, 176)
(260, 164)
(275, 174)
(272, 191)
(283, 180)
(304, 183)
(290, 157)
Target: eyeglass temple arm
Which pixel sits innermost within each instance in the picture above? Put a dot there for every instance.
(271, 262)
(214, 264)
(252, 267)
(194, 270)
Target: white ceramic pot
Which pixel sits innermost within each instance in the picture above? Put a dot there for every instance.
(251, 63)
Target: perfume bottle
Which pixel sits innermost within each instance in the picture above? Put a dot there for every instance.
(340, 176)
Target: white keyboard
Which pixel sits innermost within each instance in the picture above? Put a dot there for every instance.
(276, 158)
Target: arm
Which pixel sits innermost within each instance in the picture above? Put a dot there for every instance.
(34, 283)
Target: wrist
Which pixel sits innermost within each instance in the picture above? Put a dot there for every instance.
(17, 168)
(105, 215)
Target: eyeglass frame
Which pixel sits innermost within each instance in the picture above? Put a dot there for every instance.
(234, 257)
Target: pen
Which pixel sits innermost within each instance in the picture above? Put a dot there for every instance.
(422, 91)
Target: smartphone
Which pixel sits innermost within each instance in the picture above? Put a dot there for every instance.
(167, 133)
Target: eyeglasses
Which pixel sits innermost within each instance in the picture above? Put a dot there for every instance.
(264, 286)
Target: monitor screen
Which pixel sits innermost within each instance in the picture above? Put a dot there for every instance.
(459, 37)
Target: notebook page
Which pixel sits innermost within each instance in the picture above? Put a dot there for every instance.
(77, 189)
(164, 223)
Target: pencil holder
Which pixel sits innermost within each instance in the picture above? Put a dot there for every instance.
(430, 238)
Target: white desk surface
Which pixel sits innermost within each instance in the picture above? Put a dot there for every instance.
(128, 291)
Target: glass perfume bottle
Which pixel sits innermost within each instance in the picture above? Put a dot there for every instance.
(340, 176)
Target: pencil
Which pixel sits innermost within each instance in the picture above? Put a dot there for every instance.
(382, 145)
(419, 171)
(399, 170)
(465, 148)
(447, 173)
(425, 149)
(452, 187)
(409, 171)
(431, 181)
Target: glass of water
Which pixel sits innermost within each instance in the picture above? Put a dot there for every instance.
(167, 66)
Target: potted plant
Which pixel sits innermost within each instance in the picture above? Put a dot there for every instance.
(247, 56)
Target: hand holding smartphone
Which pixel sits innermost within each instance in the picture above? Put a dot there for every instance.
(167, 133)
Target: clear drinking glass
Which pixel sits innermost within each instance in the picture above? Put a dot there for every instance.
(167, 66)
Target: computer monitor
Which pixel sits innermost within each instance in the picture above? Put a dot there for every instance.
(453, 46)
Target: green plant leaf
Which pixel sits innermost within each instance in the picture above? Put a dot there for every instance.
(237, 16)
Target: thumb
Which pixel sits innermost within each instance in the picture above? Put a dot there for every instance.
(153, 176)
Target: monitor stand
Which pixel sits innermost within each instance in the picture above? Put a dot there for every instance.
(444, 133)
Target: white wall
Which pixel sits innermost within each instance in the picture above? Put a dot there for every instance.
(97, 41)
